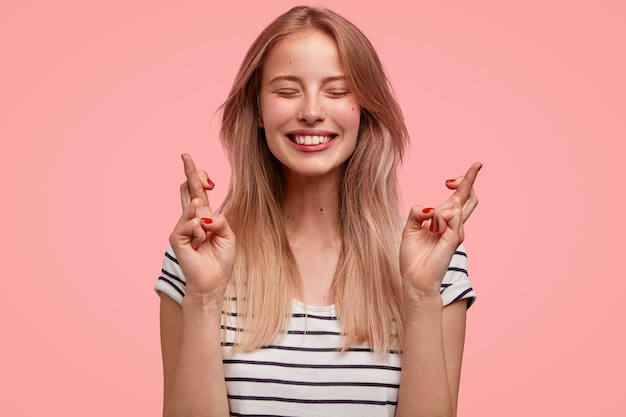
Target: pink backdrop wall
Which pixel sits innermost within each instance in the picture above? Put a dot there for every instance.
(98, 99)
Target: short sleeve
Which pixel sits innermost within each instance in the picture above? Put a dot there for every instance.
(456, 284)
(171, 281)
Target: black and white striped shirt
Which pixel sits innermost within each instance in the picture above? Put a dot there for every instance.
(303, 373)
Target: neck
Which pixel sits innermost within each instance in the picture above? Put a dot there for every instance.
(311, 208)
(311, 215)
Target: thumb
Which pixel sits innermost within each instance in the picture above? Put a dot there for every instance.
(418, 215)
(218, 225)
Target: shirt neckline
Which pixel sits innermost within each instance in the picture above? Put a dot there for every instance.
(299, 305)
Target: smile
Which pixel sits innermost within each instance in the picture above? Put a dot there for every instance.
(310, 139)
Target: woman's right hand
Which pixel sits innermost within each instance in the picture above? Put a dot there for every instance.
(202, 240)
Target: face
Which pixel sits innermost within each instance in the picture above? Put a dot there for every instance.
(310, 116)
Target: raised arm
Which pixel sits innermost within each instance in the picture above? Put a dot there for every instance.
(434, 335)
(204, 246)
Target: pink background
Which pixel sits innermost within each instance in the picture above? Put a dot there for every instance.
(98, 99)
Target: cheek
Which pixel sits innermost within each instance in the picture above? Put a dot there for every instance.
(349, 116)
(276, 114)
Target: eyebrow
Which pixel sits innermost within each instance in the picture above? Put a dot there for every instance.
(298, 80)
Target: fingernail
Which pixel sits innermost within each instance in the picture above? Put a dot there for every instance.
(208, 181)
(207, 220)
(449, 181)
(428, 210)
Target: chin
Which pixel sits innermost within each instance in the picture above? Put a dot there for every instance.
(314, 172)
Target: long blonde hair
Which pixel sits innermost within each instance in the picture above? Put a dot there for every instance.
(367, 285)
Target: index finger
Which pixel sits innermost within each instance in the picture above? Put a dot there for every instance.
(196, 190)
(464, 190)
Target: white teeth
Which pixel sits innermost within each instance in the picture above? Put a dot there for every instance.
(311, 140)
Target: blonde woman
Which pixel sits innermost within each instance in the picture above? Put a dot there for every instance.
(305, 294)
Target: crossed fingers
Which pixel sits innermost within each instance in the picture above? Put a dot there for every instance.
(464, 190)
(455, 210)
(196, 184)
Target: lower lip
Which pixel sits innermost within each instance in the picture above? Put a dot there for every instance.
(312, 148)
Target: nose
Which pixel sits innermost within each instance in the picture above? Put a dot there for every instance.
(311, 109)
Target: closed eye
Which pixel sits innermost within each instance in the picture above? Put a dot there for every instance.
(286, 92)
(337, 93)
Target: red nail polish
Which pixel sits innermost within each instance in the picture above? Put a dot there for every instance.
(207, 220)
(449, 181)
(428, 210)
(208, 181)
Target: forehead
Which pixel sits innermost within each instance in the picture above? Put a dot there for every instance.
(303, 53)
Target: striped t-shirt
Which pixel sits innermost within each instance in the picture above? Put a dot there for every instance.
(303, 373)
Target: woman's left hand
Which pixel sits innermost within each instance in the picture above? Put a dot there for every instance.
(431, 236)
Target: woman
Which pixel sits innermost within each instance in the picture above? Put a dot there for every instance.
(304, 295)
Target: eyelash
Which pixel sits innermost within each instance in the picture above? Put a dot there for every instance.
(286, 93)
(331, 94)
(338, 93)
